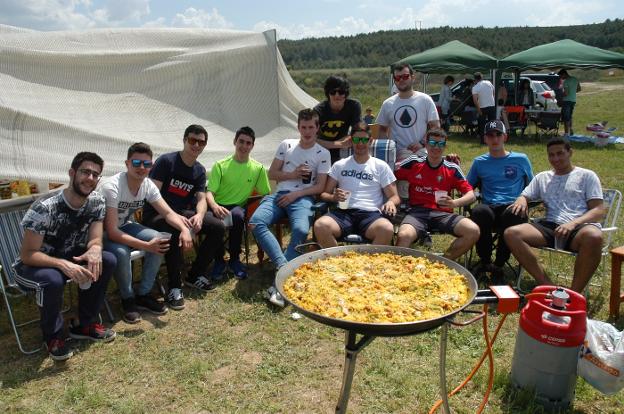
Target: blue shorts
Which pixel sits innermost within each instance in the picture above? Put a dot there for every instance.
(567, 107)
(354, 221)
(426, 219)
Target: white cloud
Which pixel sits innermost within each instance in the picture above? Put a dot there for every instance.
(200, 18)
(121, 12)
(46, 14)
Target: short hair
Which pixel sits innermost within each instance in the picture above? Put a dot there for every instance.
(336, 82)
(400, 66)
(562, 72)
(86, 156)
(448, 79)
(559, 141)
(306, 115)
(245, 131)
(360, 127)
(437, 132)
(139, 148)
(195, 129)
(478, 76)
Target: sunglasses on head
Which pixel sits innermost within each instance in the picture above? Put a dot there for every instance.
(360, 140)
(338, 91)
(404, 76)
(137, 163)
(195, 141)
(439, 144)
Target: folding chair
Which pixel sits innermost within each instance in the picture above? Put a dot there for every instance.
(469, 122)
(612, 202)
(548, 122)
(517, 118)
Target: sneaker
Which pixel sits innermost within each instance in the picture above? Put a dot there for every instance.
(202, 283)
(150, 304)
(238, 269)
(58, 349)
(218, 270)
(131, 313)
(93, 332)
(175, 299)
(275, 297)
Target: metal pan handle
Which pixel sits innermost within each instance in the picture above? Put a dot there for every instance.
(480, 315)
(302, 248)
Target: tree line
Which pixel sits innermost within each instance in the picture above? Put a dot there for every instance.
(384, 47)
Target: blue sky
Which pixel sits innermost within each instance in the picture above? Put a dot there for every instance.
(298, 19)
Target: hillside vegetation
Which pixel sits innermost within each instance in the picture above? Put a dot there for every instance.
(384, 47)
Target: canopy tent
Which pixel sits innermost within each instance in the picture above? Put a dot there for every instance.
(102, 90)
(451, 57)
(563, 53)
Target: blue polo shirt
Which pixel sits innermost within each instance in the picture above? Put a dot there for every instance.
(501, 180)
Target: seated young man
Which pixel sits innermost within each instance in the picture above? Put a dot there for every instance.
(574, 208)
(364, 180)
(232, 181)
(426, 176)
(300, 168)
(501, 175)
(125, 193)
(63, 240)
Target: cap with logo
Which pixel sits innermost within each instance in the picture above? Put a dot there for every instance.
(495, 125)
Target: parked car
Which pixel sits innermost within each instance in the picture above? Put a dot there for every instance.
(543, 94)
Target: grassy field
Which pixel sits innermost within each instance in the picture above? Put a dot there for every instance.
(228, 351)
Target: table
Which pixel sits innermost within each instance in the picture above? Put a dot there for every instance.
(616, 296)
(536, 115)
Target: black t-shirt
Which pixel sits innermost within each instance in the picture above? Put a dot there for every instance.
(179, 182)
(334, 126)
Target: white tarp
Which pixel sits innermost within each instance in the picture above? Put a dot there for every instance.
(102, 90)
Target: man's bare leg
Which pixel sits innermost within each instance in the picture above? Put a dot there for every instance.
(406, 236)
(588, 243)
(326, 230)
(467, 233)
(520, 239)
(380, 231)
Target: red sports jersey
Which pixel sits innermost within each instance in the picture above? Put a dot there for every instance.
(424, 180)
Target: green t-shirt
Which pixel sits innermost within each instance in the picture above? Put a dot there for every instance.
(232, 182)
(570, 85)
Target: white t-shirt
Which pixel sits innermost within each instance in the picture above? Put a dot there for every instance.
(485, 90)
(365, 181)
(293, 156)
(407, 118)
(565, 196)
(117, 194)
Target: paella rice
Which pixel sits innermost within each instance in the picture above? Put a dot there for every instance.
(377, 288)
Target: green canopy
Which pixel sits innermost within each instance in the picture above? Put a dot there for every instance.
(451, 57)
(564, 53)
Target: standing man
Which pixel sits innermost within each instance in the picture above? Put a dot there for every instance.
(483, 97)
(406, 116)
(63, 241)
(125, 193)
(232, 181)
(364, 180)
(300, 168)
(501, 175)
(430, 175)
(337, 114)
(182, 183)
(574, 208)
(570, 86)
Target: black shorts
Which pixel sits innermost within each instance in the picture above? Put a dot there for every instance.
(354, 221)
(547, 228)
(425, 219)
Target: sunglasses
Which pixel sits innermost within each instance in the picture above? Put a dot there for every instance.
(137, 163)
(338, 91)
(439, 144)
(87, 172)
(360, 140)
(195, 141)
(404, 76)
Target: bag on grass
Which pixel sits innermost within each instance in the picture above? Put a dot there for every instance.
(601, 361)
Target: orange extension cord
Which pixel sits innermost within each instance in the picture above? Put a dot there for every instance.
(488, 354)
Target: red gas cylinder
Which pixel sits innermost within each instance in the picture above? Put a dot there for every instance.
(551, 332)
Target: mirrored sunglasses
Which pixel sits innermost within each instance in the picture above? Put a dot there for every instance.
(137, 163)
(360, 140)
(404, 76)
(439, 144)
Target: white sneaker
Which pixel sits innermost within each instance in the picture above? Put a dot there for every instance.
(275, 297)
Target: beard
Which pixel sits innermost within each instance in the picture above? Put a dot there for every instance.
(76, 188)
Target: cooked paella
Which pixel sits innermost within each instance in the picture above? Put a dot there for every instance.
(377, 288)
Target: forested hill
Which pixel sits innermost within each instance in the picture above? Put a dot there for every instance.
(384, 47)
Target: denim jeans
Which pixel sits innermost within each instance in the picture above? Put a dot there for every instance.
(123, 271)
(299, 214)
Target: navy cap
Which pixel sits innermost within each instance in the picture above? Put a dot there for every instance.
(495, 125)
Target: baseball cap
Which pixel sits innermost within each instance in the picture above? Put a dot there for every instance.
(495, 125)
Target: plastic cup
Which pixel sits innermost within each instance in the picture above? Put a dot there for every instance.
(560, 243)
(85, 285)
(343, 205)
(439, 194)
(164, 235)
(227, 220)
